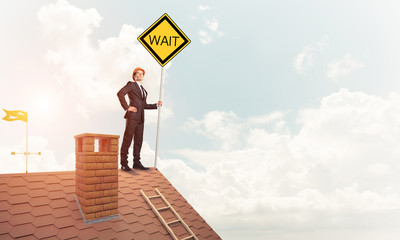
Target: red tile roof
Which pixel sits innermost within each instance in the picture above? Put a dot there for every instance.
(42, 205)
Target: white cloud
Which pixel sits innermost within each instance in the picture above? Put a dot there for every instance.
(205, 37)
(338, 171)
(342, 67)
(267, 118)
(203, 8)
(46, 162)
(216, 125)
(212, 24)
(94, 72)
(305, 60)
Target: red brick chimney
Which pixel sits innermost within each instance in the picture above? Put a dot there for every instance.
(96, 176)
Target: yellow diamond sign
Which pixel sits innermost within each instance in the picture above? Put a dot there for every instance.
(164, 39)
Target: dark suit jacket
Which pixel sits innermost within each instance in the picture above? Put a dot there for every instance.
(135, 100)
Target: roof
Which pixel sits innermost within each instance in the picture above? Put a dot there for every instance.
(43, 206)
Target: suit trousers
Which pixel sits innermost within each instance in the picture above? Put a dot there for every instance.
(133, 129)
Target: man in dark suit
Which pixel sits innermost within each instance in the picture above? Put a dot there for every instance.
(134, 118)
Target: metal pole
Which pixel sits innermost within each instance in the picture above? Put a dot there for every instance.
(158, 120)
(26, 153)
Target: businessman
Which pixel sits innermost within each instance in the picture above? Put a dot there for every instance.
(134, 118)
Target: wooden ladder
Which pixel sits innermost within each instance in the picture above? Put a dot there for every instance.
(166, 225)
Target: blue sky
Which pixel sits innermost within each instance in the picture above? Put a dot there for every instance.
(280, 119)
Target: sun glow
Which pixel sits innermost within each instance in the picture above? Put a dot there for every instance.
(45, 104)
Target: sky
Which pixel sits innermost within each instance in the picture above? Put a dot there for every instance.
(280, 118)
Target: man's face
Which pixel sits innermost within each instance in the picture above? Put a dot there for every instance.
(139, 75)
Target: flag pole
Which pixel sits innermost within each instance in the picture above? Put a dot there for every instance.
(158, 119)
(26, 153)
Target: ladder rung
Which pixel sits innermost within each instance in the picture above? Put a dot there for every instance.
(191, 236)
(163, 208)
(175, 221)
(155, 196)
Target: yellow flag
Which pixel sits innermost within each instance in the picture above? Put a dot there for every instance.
(16, 115)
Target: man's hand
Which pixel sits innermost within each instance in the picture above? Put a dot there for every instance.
(132, 109)
(159, 103)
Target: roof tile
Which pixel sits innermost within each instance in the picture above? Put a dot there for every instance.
(46, 231)
(18, 190)
(5, 227)
(159, 235)
(130, 196)
(168, 215)
(35, 178)
(125, 190)
(125, 210)
(65, 175)
(39, 201)
(69, 189)
(76, 214)
(63, 222)
(38, 192)
(142, 235)
(107, 234)
(204, 232)
(136, 227)
(179, 230)
(88, 233)
(123, 202)
(5, 216)
(16, 199)
(129, 218)
(41, 210)
(6, 237)
(27, 237)
(4, 196)
(51, 179)
(4, 206)
(147, 219)
(5, 179)
(126, 234)
(47, 205)
(80, 225)
(101, 226)
(44, 220)
(54, 187)
(69, 182)
(72, 205)
(68, 232)
(61, 212)
(22, 230)
(56, 195)
(140, 212)
(17, 182)
(36, 185)
(151, 228)
(21, 219)
(57, 203)
(119, 226)
(20, 208)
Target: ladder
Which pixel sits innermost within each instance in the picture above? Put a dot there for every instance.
(166, 225)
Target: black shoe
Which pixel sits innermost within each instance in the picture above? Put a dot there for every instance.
(125, 168)
(140, 166)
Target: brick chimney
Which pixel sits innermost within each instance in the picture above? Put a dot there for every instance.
(96, 176)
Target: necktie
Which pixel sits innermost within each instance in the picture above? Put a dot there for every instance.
(142, 91)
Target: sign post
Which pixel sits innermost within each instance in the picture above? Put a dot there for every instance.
(164, 40)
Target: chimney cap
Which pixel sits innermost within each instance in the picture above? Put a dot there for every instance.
(96, 135)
